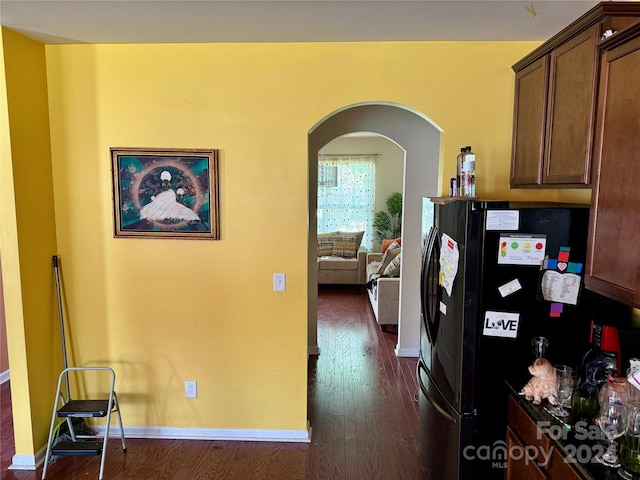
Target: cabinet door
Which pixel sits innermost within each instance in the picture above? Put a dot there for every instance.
(570, 110)
(613, 258)
(529, 123)
(560, 468)
(520, 467)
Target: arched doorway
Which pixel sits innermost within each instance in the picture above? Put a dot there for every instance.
(420, 138)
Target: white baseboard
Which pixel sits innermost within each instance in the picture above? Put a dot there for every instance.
(407, 352)
(4, 377)
(32, 462)
(177, 433)
(313, 350)
(23, 462)
(28, 462)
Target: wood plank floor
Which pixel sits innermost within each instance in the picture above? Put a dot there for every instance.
(361, 406)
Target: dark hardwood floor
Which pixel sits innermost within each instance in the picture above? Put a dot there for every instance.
(362, 410)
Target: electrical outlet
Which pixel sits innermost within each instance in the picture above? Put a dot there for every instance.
(190, 389)
(279, 281)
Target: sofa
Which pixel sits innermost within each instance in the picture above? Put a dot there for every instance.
(383, 290)
(343, 271)
(341, 258)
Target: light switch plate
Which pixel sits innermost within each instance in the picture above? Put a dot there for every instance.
(279, 282)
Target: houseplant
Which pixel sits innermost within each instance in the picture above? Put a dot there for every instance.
(389, 224)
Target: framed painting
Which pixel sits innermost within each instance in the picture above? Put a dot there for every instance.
(165, 193)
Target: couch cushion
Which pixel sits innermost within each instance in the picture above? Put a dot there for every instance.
(389, 255)
(345, 245)
(325, 243)
(387, 242)
(337, 263)
(372, 270)
(394, 266)
(358, 235)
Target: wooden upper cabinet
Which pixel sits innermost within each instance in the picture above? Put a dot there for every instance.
(554, 112)
(613, 257)
(557, 85)
(529, 123)
(570, 110)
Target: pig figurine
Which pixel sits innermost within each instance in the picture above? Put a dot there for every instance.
(542, 383)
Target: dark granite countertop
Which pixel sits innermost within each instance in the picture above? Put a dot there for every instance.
(579, 442)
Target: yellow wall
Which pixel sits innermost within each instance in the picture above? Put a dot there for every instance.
(28, 237)
(164, 311)
(4, 355)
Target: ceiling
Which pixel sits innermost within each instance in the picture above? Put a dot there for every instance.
(210, 21)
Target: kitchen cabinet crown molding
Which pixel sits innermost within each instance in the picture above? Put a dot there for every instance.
(597, 13)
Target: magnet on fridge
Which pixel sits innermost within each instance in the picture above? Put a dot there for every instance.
(509, 287)
(556, 309)
(574, 267)
(563, 254)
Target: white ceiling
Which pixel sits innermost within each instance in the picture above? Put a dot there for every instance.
(180, 21)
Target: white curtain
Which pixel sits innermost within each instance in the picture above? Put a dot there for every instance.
(346, 194)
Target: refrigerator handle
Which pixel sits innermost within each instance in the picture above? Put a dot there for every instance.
(423, 272)
(426, 393)
(430, 318)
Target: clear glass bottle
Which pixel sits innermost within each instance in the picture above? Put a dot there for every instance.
(468, 173)
(459, 159)
(539, 345)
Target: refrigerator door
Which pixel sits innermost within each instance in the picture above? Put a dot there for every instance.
(447, 331)
(559, 228)
(430, 295)
(444, 433)
(454, 321)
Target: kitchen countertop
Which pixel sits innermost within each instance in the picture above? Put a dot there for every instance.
(578, 442)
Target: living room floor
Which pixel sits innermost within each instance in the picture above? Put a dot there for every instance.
(361, 405)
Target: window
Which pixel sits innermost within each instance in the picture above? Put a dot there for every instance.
(346, 194)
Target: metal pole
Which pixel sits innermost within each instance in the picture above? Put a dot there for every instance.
(62, 336)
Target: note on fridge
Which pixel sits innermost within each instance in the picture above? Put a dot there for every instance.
(510, 287)
(522, 249)
(503, 220)
(501, 324)
(449, 256)
(560, 287)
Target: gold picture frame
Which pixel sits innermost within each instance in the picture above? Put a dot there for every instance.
(165, 193)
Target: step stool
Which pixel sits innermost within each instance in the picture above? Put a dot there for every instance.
(70, 409)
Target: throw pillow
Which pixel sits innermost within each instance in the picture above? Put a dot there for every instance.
(394, 267)
(389, 255)
(387, 242)
(358, 235)
(325, 243)
(345, 245)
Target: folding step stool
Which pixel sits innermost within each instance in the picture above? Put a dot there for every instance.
(69, 409)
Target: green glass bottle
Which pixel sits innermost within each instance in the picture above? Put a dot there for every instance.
(584, 401)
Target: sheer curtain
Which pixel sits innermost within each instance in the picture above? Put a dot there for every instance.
(346, 194)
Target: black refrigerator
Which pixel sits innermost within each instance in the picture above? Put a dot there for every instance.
(485, 292)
